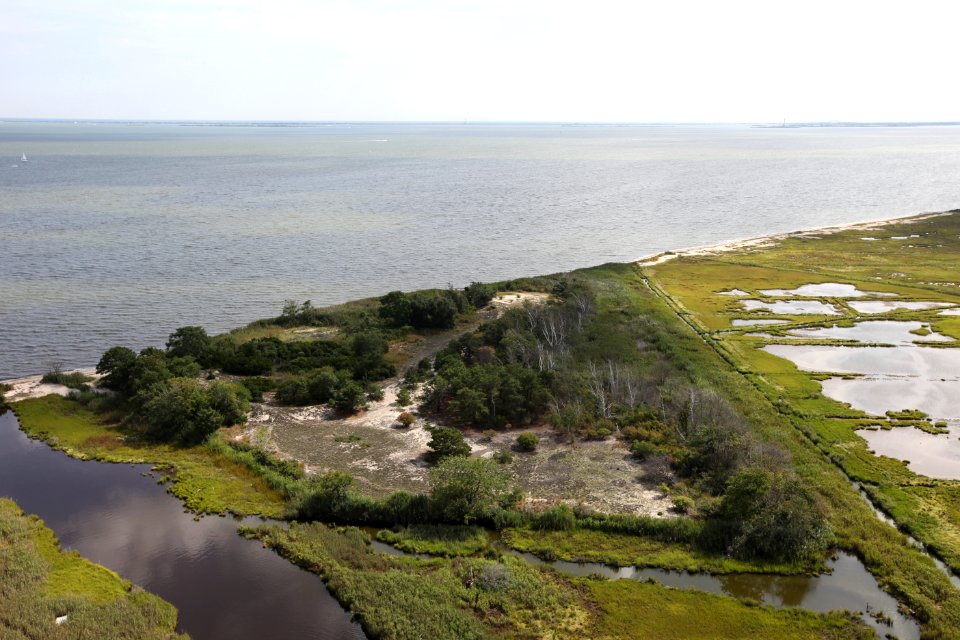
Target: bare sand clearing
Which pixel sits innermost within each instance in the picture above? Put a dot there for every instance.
(33, 387)
(771, 240)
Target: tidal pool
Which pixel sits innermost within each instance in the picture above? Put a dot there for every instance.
(881, 331)
(792, 307)
(932, 455)
(882, 306)
(878, 394)
(117, 515)
(746, 322)
(950, 312)
(733, 292)
(826, 290)
(925, 363)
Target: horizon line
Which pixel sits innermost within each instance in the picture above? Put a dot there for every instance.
(276, 122)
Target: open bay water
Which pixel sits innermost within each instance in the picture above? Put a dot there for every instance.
(119, 233)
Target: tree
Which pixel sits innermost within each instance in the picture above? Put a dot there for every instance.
(349, 397)
(446, 442)
(466, 489)
(190, 341)
(116, 366)
(184, 411)
(479, 294)
(771, 515)
(395, 308)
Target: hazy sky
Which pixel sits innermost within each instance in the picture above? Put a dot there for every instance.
(594, 60)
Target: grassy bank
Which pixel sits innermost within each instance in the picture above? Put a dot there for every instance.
(207, 480)
(39, 583)
(400, 598)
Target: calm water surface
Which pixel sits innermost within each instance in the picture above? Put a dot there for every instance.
(119, 233)
(225, 587)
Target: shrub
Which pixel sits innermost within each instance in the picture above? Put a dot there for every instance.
(349, 398)
(374, 392)
(466, 489)
(527, 441)
(73, 380)
(504, 456)
(557, 518)
(181, 410)
(258, 386)
(682, 504)
(446, 442)
(641, 449)
(488, 434)
(403, 397)
(406, 419)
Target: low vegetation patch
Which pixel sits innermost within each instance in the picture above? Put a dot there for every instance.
(40, 583)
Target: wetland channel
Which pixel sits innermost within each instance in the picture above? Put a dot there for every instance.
(227, 587)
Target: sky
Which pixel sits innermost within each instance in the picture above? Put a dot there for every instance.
(489, 60)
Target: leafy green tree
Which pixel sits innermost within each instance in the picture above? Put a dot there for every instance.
(190, 341)
(349, 397)
(467, 489)
(479, 294)
(396, 308)
(116, 367)
(771, 515)
(446, 442)
(178, 410)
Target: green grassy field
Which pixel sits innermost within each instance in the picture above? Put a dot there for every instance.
(39, 582)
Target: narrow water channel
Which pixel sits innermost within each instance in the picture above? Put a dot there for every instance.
(224, 586)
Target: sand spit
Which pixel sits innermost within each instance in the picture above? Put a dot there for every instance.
(766, 241)
(34, 387)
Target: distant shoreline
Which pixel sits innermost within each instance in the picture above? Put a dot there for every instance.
(561, 123)
(742, 243)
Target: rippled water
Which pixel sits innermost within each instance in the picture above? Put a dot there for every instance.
(224, 586)
(121, 233)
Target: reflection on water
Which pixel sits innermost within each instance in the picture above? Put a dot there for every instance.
(877, 395)
(748, 322)
(933, 455)
(117, 515)
(793, 307)
(848, 586)
(882, 306)
(921, 362)
(825, 290)
(880, 331)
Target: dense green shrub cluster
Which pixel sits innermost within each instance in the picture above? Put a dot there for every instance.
(184, 411)
(424, 309)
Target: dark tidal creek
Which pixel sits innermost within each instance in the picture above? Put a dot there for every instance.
(227, 587)
(224, 586)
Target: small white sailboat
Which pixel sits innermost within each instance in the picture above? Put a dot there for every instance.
(23, 157)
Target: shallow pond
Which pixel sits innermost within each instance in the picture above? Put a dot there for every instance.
(742, 322)
(826, 290)
(922, 362)
(118, 516)
(792, 307)
(880, 331)
(877, 395)
(933, 455)
(882, 306)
